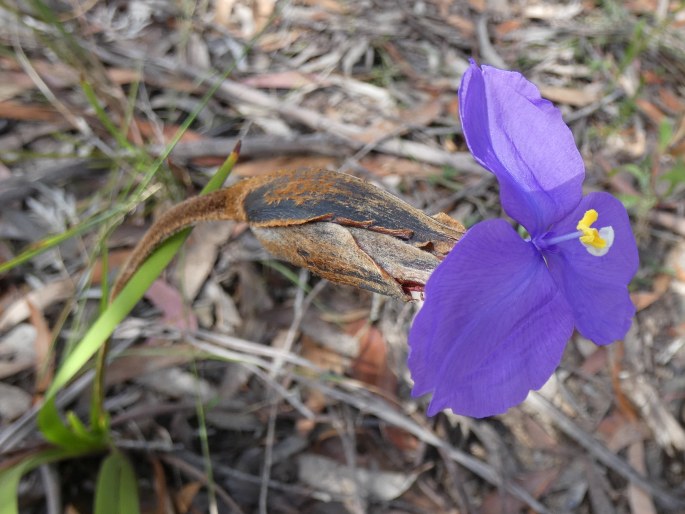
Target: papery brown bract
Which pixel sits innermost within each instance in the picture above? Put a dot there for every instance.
(336, 225)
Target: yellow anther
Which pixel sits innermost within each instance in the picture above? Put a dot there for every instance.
(590, 235)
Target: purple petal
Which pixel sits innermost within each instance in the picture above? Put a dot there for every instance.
(522, 139)
(596, 287)
(493, 327)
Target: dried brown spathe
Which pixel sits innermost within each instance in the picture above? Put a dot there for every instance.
(338, 226)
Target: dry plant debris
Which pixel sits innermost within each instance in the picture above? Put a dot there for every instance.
(244, 385)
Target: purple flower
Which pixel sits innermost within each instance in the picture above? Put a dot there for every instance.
(500, 309)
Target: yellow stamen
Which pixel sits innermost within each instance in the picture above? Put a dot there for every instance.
(590, 235)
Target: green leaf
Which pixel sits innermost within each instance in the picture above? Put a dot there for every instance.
(629, 201)
(73, 437)
(54, 240)
(11, 476)
(116, 490)
(104, 326)
(665, 134)
(116, 312)
(641, 174)
(9, 485)
(675, 176)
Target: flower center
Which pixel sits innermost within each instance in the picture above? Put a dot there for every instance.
(596, 242)
(590, 237)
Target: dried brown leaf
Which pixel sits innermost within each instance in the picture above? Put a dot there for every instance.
(155, 358)
(323, 357)
(13, 83)
(404, 441)
(202, 251)
(671, 101)
(225, 315)
(16, 111)
(183, 499)
(273, 42)
(333, 6)
(508, 26)
(632, 142)
(174, 309)
(572, 96)
(387, 165)
(329, 475)
(285, 80)
(651, 111)
(463, 25)
(660, 285)
(45, 358)
(151, 131)
(536, 435)
(163, 503)
(260, 167)
(263, 9)
(372, 365)
(675, 261)
(222, 11)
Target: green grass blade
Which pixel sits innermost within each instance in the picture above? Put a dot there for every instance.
(70, 437)
(11, 476)
(130, 295)
(9, 485)
(104, 118)
(52, 241)
(116, 312)
(116, 491)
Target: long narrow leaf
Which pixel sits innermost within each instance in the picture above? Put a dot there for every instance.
(10, 477)
(133, 291)
(117, 490)
(57, 432)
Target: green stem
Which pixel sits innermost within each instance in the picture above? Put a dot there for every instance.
(98, 413)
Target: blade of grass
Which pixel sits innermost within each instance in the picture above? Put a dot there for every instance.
(116, 491)
(52, 241)
(98, 334)
(102, 115)
(204, 441)
(11, 476)
(67, 435)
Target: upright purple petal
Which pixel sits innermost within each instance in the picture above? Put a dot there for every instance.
(597, 287)
(522, 139)
(493, 327)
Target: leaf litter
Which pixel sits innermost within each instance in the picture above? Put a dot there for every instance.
(368, 88)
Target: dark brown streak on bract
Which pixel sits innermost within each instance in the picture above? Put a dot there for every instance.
(395, 232)
(308, 194)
